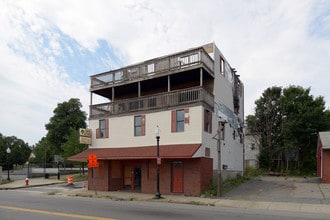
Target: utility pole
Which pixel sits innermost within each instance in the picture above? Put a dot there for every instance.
(219, 193)
(221, 126)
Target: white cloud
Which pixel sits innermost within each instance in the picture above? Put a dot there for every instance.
(32, 85)
(269, 43)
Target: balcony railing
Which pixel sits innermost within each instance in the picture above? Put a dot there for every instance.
(160, 65)
(158, 101)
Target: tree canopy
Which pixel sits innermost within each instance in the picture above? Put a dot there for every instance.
(287, 121)
(20, 151)
(62, 137)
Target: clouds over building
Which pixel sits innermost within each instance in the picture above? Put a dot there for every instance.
(50, 48)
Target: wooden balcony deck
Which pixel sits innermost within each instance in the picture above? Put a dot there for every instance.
(193, 58)
(157, 101)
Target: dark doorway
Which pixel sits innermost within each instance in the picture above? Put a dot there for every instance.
(137, 179)
(177, 176)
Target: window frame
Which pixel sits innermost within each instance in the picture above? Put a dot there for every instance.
(137, 126)
(140, 126)
(207, 121)
(103, 130)
(179, 120)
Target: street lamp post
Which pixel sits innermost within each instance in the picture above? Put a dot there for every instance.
(8, 152)
(157, 133)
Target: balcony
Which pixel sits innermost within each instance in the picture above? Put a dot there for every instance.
(153, 102)
(190, 59)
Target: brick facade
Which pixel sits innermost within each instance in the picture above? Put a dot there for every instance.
(197, 175)
(326, 166)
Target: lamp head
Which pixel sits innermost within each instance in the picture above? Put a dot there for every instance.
(157, 132)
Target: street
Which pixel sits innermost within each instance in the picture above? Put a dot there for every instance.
(38, 203)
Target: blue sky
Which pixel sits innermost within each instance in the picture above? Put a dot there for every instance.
(50, 48)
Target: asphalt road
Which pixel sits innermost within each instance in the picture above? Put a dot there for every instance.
(34, 204)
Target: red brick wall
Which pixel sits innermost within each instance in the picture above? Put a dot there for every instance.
(101, 176)
(207, 173)
(197, 176)
(149, 177)
(326, 166)
(115, 179)
(318, 158)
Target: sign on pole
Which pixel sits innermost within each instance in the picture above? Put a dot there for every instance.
(92, 161)
(85, 136)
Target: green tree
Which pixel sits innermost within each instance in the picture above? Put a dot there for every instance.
(304, 116)
(43, 152)
(287, 121)
(67, 116)
(20, 151)
(327, 118)
(72, 145)
(266, 122)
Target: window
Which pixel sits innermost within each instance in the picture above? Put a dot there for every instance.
(222, 127)
(207, 121)
(253, 146)
(139, 125)
(222, 66)
(194, 58)
(118, 76)
(207, 152)
(103, 130)
(183, 60)
(151, 68)
(178, 120)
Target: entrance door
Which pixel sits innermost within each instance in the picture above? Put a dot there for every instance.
(127, 177)
(137, 179)
(177, 176)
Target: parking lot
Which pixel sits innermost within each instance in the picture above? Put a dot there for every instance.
(282, 189)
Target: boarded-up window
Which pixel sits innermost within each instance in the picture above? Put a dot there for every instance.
(207, 121)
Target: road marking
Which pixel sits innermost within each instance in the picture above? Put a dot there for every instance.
(55, 213)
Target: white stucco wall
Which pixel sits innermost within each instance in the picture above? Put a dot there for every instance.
(232, 152)
(121, 130)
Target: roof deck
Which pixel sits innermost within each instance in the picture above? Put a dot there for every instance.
(167, 65)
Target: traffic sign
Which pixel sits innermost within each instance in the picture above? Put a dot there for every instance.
(92, 161)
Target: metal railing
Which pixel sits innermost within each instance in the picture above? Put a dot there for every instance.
(157, 101)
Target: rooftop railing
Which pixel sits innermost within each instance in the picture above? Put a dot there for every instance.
(150, 68)
(157, 101)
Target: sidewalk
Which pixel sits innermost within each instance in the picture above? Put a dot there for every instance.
(307, 197)
(16, 184)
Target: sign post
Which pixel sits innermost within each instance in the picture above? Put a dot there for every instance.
(92, 163)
